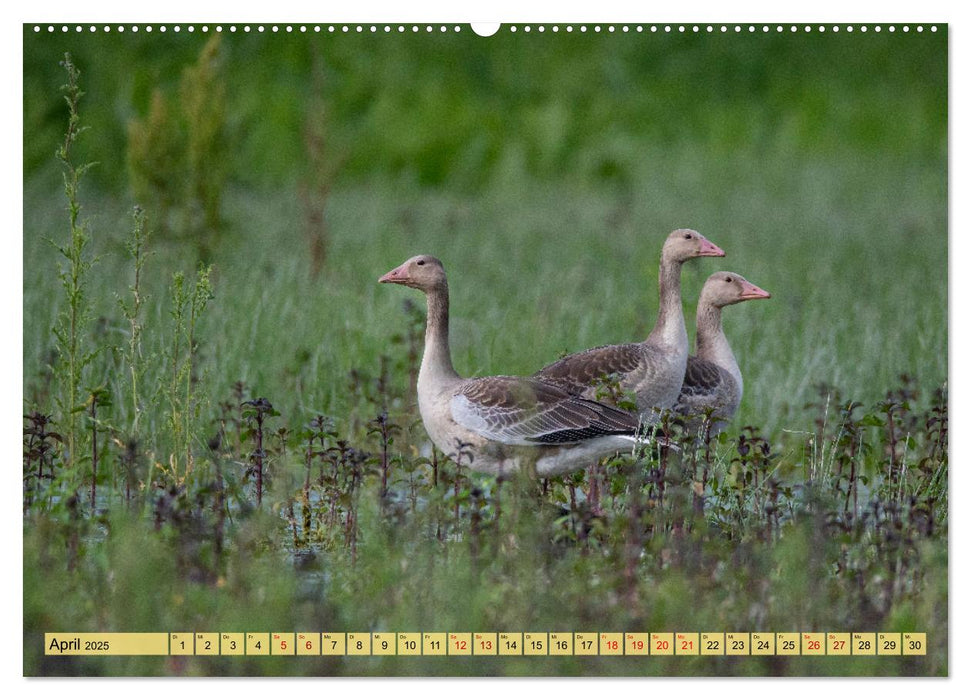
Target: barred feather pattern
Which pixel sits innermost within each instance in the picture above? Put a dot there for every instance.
(526, 411)
(708, 387)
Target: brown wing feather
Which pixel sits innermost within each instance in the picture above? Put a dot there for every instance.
(701, 377)
(582, 370)
(519, 410)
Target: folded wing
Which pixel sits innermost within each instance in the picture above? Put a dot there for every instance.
(702, 378)
(526, 411)
(580, 371)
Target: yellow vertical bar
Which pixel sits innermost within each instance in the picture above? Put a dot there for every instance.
(915, 644)
(459, 643)
(257, 643)
(787, 643)
(737, 644)
(409, 644)
(232, 643)
(686, 644)
(637, 644)
(712, 644)
(813, 644)
(838, 644)
(662, 643)
(333, 643)
(561, 643)
(510, 643)
(763, 644)
(536, 643)
(181, 644)
(308, 643)
(434, 644)
(382, 644)
(611, 644)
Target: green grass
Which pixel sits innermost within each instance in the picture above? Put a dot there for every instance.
(817, 196)
(858, 291)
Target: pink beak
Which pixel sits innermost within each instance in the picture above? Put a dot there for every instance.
(750, 291)
(710, 250)
(396, 275)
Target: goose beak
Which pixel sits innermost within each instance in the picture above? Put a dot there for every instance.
(710, 250)
(750, 291)
(396, 276)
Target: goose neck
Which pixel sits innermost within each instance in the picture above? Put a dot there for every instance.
(711, 339)
(436, 362)
(670, 328)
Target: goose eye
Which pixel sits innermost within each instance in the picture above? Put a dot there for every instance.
(728, 279)
(421, 262)
(687, 236)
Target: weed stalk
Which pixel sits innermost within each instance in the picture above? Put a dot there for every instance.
(71, 328)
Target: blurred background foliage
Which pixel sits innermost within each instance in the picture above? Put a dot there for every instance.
(813, 158)
(459, 110)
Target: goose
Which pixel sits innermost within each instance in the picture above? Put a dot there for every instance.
(712, 389)
(503, 424)
(653, 369)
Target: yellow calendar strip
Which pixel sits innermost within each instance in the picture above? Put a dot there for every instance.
(536, 643)
(561, 644)
(460, 644)
(383, 644)
(485, 644)
(888, 644)
(787, 644)
(106, 644)
(915, 644)
(585, 644)
(308, 644)
(629, 644)
(712, 643)
(864, 643)
(686, 644)
(207, 644)
(409, 644)
(637, 644)
(283, 644)
(812, 644)
(181, 644)
(232, 644)
(762, 644)
(434, 643)
(358, 644)
(333, 643)
(611, 644)
(737, 644)
(838, 644)
(662, 644)
(257, 644)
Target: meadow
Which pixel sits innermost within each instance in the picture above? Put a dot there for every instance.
(226, 365)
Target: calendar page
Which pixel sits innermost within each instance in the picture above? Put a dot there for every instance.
(515, 349)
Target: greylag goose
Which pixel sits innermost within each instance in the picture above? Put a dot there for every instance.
(712, 387)
(501, 425)
(653, 369)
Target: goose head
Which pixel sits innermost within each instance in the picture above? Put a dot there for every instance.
(422, 272)
(725, 288)
(684, 244)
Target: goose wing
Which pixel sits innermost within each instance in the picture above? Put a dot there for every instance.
(582, 370)
(526, 411)
(701, 378)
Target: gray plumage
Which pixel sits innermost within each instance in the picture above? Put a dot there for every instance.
(652, 370)
(524, 411)
(712, 388)
(503, 424)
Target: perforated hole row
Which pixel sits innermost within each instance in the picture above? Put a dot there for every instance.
(428, 28)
